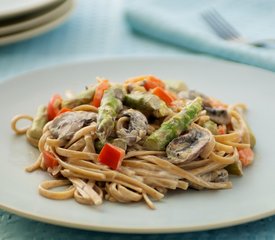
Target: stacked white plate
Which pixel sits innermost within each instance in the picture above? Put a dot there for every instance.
(23, 19)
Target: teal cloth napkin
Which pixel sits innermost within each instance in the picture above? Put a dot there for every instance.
(179, 22)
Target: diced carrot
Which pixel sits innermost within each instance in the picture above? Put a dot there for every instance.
(135, 80)
(148, 81)
(163, 95)
(222, 129)
(246, 156)
(54, 106)
(49, 160)
(111, 156)
(63, 110)
(102, 86)
(152, 82)
(215, 103)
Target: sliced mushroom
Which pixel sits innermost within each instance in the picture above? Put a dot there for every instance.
(66, 125)
(217, 176)
(136, 129)
(185, 148)
(219, 116)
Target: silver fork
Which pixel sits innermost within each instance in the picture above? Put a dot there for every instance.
(227, 32)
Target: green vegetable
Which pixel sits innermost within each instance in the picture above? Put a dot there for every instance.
(147, 103)
(84, 97)
(111, 105)
(118, 142)
(174, 126)
(39, 121)
(211, 126)
(98, 145)
(235, 168)
(251, 136)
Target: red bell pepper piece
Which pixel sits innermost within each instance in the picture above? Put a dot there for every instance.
(111, 156)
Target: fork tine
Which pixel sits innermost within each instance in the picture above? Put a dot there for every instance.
(226, 24)
(215, 26)
(220, 25)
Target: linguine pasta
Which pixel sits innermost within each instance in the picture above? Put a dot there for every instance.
(211, 142)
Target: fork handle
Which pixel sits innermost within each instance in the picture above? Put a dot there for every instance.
(269, 43)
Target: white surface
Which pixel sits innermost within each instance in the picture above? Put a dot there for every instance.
(49, 15)
(11, 8)
(251, 198)
(55, 21)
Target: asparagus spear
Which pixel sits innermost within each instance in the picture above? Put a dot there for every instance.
(174, 126)
(118, 142)
(98, 145)
(147, 103)
(84, 97)
(211, 126)
(111, 105)
(39, 121)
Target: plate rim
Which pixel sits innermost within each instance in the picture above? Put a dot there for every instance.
(134, 230)
(113, 57)
(138, 230)
(24, 9)
(47, 16)
(38, 30)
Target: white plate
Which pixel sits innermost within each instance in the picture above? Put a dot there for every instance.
(45, 16)
(55, 21)
(12, 8)
(251, 198)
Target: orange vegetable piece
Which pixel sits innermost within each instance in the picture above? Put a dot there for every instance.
(215, 103)
(49, 160)
(111, 156)
(163, 95)
(54, 106)
(246, 156)
(222, 129)
(152, 82)
(63, 110)
(102, 86)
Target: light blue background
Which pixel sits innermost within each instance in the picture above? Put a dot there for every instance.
(181, 23)
(96, 29)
